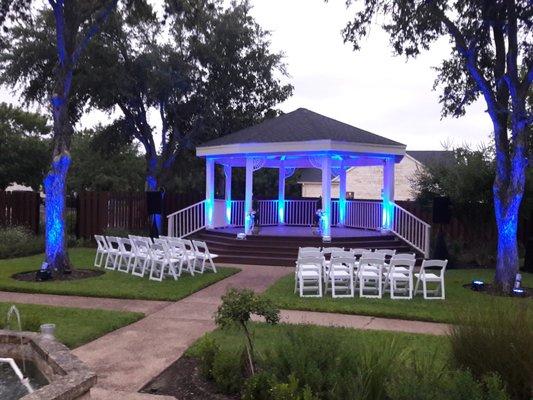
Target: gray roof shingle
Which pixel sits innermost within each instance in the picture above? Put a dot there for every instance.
(299, 126)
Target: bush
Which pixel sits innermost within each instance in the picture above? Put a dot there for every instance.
(228, 371)
(18, 241)
(207, 352)
(332, 368)
(497, 340)
(259, 386)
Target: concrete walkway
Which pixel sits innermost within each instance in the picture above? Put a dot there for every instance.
(128, 358)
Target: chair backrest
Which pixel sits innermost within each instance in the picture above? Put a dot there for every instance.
(200, 246)
(141, 246)
(160, 239)
(309, 252)
(160, 248)
(345, 263)
(359, 252)
(342, 254)
(112, 241)
(100, 242)
(124, 244)
(406, 263)
(434, 266)
(385, 252)
(329, 250)
(372, 256)
(371, 263)
(309, 263)
(403, 256)
(188, 245)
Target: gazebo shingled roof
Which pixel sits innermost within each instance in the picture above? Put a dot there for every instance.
(301, 125)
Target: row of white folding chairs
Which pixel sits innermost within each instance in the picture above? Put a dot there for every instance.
(371, 274)
(163, 256)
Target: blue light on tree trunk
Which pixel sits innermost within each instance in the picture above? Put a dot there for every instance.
(54, 186)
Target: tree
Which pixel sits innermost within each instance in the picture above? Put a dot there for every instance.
(102, 161)
(492, 58)
(237, 308)
(23, 158)
(76, 22)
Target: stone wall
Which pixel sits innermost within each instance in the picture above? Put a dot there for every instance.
(366, 182)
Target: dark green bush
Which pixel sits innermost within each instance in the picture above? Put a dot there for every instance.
(259, 386)
(18, 241)
(291, 391)
(228, 371)
(207, 350)
(497, 340)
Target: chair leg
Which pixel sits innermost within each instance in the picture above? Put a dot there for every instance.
(416, 286)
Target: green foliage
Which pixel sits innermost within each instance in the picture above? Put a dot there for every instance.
(208, 349)
(24, 156)
(497, 339)
(259, 387)
(228, 371)
(18, 241)
(101, 163)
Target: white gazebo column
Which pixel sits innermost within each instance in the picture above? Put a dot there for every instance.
(342, 196)
(227, 193)
(209, 191)
(326, 195)
(388, 194)
(281, 194)
(248, 194)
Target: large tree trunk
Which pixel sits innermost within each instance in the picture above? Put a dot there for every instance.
(55, 187)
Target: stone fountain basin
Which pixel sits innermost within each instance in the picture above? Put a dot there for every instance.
(68, 377)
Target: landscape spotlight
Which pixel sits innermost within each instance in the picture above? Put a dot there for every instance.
(478, 285)
(519, 292)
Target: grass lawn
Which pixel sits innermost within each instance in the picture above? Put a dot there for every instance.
(74, 326)
(111, 284)
(270, 336)
(457, 299)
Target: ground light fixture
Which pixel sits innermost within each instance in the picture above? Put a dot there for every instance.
(478, 285)
(519, 292)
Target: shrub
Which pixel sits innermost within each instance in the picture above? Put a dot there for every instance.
(332, 368)
(228, 371)
(207, 351)
(259, 386)
(291, 391)
(497, 340)
(18, 241)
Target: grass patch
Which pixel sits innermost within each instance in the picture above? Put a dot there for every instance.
(112, 284)
(267, 337)
(457, 299)
(74, 326)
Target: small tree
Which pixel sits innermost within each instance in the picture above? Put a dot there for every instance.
(237, 308)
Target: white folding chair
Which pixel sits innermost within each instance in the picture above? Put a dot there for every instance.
(178, 250)
(102, 250)
(309, 276)
(400, 257)
(370, 271)
(143, 256)
(399, 278)
(359, 252)
(126, 255)
(113, 253)
(162, 263)
(202, 254)
(340, 277)
(432, 271)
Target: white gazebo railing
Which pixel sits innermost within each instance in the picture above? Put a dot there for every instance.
(411, 229)
(187, 221)
(363, 214)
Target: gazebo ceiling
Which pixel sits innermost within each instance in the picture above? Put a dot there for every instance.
(299, 138)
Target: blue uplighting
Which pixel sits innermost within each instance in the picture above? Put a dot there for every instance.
(228, 212)
(54, 186)
(281, 212)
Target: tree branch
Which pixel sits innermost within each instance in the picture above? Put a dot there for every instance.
(100, 19)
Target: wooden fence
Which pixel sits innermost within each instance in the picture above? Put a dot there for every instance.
(101, 211)
(20, 209)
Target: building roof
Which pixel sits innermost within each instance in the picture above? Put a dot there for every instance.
(301, 125)
(424, 157)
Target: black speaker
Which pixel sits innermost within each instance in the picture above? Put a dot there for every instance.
(154, 202)
(441, 210)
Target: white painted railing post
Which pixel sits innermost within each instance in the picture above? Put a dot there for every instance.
(209, 191)
(248, 194)
(388, 194)
(342, 196)
(281, 193)
(227, 193)
(326, 195)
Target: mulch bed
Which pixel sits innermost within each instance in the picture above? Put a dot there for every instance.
(184, 381)
(490, 290)
(76, 274)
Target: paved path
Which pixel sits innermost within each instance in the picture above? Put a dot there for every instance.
(146, 307)
(126, 359)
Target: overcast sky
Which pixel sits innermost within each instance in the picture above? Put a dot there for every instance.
(370, 88)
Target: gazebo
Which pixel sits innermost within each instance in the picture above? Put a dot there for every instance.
(301, 139)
